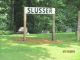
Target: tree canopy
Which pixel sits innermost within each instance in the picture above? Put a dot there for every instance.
(12, 15)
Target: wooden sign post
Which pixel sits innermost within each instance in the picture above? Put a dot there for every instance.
(53, 28)
(39, 10)
(25, 20)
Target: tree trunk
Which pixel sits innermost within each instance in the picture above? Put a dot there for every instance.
(18, 14)
(12, 15)
(78, 27)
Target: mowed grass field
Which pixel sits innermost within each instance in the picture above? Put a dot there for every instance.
(10, 50)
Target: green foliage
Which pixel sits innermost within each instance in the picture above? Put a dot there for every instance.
(66, 18)
(2, 32)
(11, 17)
(38, 23)
(4, 21)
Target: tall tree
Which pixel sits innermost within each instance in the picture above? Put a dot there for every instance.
(18, 14)
(4, 7)
(78, 26)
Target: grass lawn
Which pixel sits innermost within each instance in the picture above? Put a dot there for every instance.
(10, 50)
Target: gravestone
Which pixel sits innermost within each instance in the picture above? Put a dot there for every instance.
(69, 30)
(21, 30)
(45, 32)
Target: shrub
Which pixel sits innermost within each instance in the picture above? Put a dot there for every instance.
(2, 32)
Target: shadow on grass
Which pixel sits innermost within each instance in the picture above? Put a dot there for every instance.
(5, 38)
(60, 45)
(66, 44)
(23, 53)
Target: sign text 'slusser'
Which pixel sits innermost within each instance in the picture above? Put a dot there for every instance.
(39, 10)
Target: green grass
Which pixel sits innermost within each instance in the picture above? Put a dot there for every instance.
(10, 50)
(59, 36)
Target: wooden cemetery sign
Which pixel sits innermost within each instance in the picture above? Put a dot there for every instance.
(39, 10)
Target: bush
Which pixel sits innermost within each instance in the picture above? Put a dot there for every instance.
(2, 32)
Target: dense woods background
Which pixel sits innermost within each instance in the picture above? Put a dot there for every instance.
(11, 15)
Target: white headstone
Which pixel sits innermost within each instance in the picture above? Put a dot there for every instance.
(21, 30)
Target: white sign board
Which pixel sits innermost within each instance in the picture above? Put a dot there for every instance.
(39, 10)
